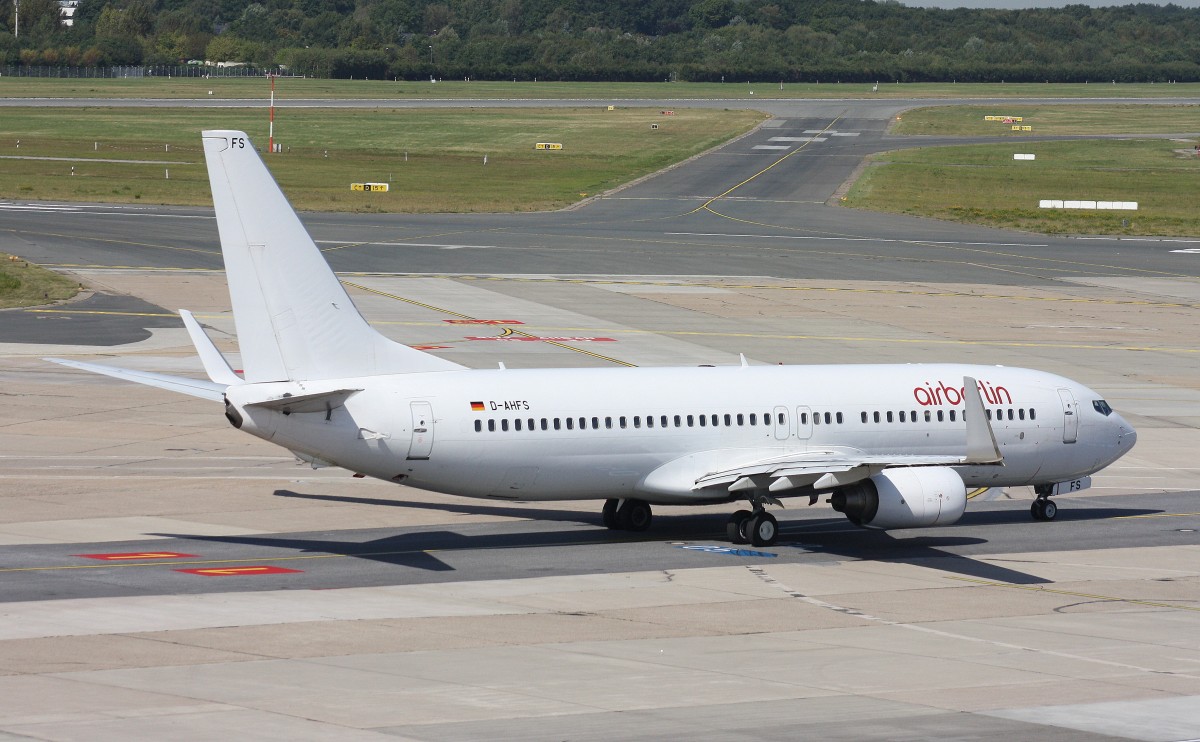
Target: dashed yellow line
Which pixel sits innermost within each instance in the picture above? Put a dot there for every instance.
(1156, 515)
(977, 492)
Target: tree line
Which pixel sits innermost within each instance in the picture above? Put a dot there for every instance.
(620, 40)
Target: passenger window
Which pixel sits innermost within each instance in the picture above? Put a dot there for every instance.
(828, 418)
(607, 423)
(1010, 413)
(531, 424)
(913, 416)
(596, 423)
(504, 425)
(804, 418)
(1032, 414)
(817, 419)
(839, 418)
(876, 415)
(989, 414)
(889, 416)
(491, 426)
(1021, 413)
(864, 416)
(728, 421)
(557, 426)
(691, 421)
(941, 416)
(544, 426)
(741, 419)
(951, 415)
(517, 424)
(663, 421)
(928, 416)
(782, 419)
(753, 419)
(703, 421)
(570, 423)
(678, 421)
(583, 423)
(901, 415)
(478, 426)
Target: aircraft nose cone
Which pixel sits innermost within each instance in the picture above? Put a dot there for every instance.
(1126, 435)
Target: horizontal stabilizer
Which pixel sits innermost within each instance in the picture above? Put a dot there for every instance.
(316, 402)
(182, 384)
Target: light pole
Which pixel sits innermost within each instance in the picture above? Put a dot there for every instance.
(431, 55)
(16, 19)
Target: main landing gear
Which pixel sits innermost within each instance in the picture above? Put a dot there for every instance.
(757, 526)
(627, 515)
(1043, 508)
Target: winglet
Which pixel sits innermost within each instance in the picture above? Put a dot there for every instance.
(215, 364)
(981, 441)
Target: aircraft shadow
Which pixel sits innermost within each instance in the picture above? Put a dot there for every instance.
(928, 549)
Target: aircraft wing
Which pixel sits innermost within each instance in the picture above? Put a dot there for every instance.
(828, 469)
(820, 469)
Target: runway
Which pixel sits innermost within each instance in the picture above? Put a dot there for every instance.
(160, 571)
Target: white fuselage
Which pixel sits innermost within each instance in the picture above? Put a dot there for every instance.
(650, 433)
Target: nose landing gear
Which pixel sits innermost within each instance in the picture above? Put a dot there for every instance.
(1043, 508)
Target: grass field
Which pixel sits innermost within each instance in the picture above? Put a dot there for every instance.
(296, 88)
(24, 284)
(982, 184)
(433, 158)
(1049, 119)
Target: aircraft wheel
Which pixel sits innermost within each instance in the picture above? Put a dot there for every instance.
(634, 515)
(1049, 510)
(609, 514)
(764, 529)
(735, 527)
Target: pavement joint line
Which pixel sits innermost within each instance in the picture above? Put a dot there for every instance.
(305, 557)
(1075, 594)
(762, 574)
(506, 331)
(694, 333)
(1155, 515)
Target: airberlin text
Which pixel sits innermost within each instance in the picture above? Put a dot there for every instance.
(932, 395)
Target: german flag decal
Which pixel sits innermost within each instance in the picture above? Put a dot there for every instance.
(477, 406)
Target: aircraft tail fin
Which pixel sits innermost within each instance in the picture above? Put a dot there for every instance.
(294, 320)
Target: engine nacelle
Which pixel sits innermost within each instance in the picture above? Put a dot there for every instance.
(910, 497)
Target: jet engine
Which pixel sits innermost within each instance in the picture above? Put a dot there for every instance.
(912, 497)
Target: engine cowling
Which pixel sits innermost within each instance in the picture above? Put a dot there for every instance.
(913, 497)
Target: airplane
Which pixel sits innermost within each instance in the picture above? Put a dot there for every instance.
(889, 446)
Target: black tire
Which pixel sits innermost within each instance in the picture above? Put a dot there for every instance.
(735, 527)
(763, 529)
(1049, 510)
(609, 514)
(1038, 509)
(634, 515)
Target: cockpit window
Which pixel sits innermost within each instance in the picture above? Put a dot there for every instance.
(1102, 407)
